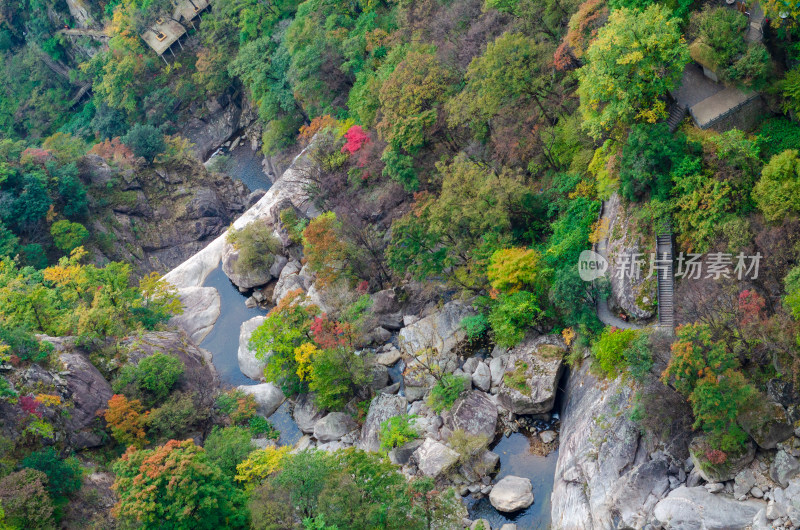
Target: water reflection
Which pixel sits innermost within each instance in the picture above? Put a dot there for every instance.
(223, 343)
(517, 458)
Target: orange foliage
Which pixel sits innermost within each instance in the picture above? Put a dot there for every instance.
(126, 420)
(319, 123)
(113, 150)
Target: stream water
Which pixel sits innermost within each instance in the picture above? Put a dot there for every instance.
(223, 341)
(245, 165)
(516, 456)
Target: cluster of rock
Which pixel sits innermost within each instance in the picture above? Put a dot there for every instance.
(158, 215)
(486, 407)
(609, 475)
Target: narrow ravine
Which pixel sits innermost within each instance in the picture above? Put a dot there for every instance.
(223, 340)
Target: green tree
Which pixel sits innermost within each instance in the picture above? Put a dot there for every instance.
(8, 241)
(706, 373)
(411, 100)
(609, 349)
(459, 230)
(257, 247)
(64, 475)
(145, 141)
(637, 57)
(513, 315)
(648, 157)
(228, 447)
(109, 122)
(151, 379)
(176, 486)
(777, 193)
(514, 71)
(27, 204)
(397, 431)
(286, 327)
(512, 269)
(67, 236)
(72, 193)
(338, 373)
(181, 413)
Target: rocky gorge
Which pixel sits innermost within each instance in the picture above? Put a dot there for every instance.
(488, 408)
(575, 434)
(607, 474)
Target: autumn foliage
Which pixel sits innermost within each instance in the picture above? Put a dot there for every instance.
(176, 486)
(126, 420)
(356, 139)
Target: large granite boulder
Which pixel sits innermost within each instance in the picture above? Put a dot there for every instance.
(432, 341)
(788, 501)
(784, 468)
(201, 309)
(333, 426)
(289, 280)
(482, 377)
(475, 413)
(88, 393)
(767, 424)
(692, 508)
(199, 376)
(532, 371)
(268, 397)
(306, 413)
(727, 470)
(512, 494)
(248, 364)
(383, 407)
(440, 331)
(635, 296)
(243, 279)
(434, 458)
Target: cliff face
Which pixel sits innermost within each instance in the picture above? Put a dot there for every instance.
(608, 475)
(154, 217)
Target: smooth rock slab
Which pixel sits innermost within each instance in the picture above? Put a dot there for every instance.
(333, 426)
(201, 309)
(692, 508)
(482, 377)
(767, 424)
(784, 468)
(434, 458)
(512, 494)
(268, 397)
(248, 364)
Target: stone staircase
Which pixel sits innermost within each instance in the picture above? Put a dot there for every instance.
(676, 115)
(755, 30)
(666, 279)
